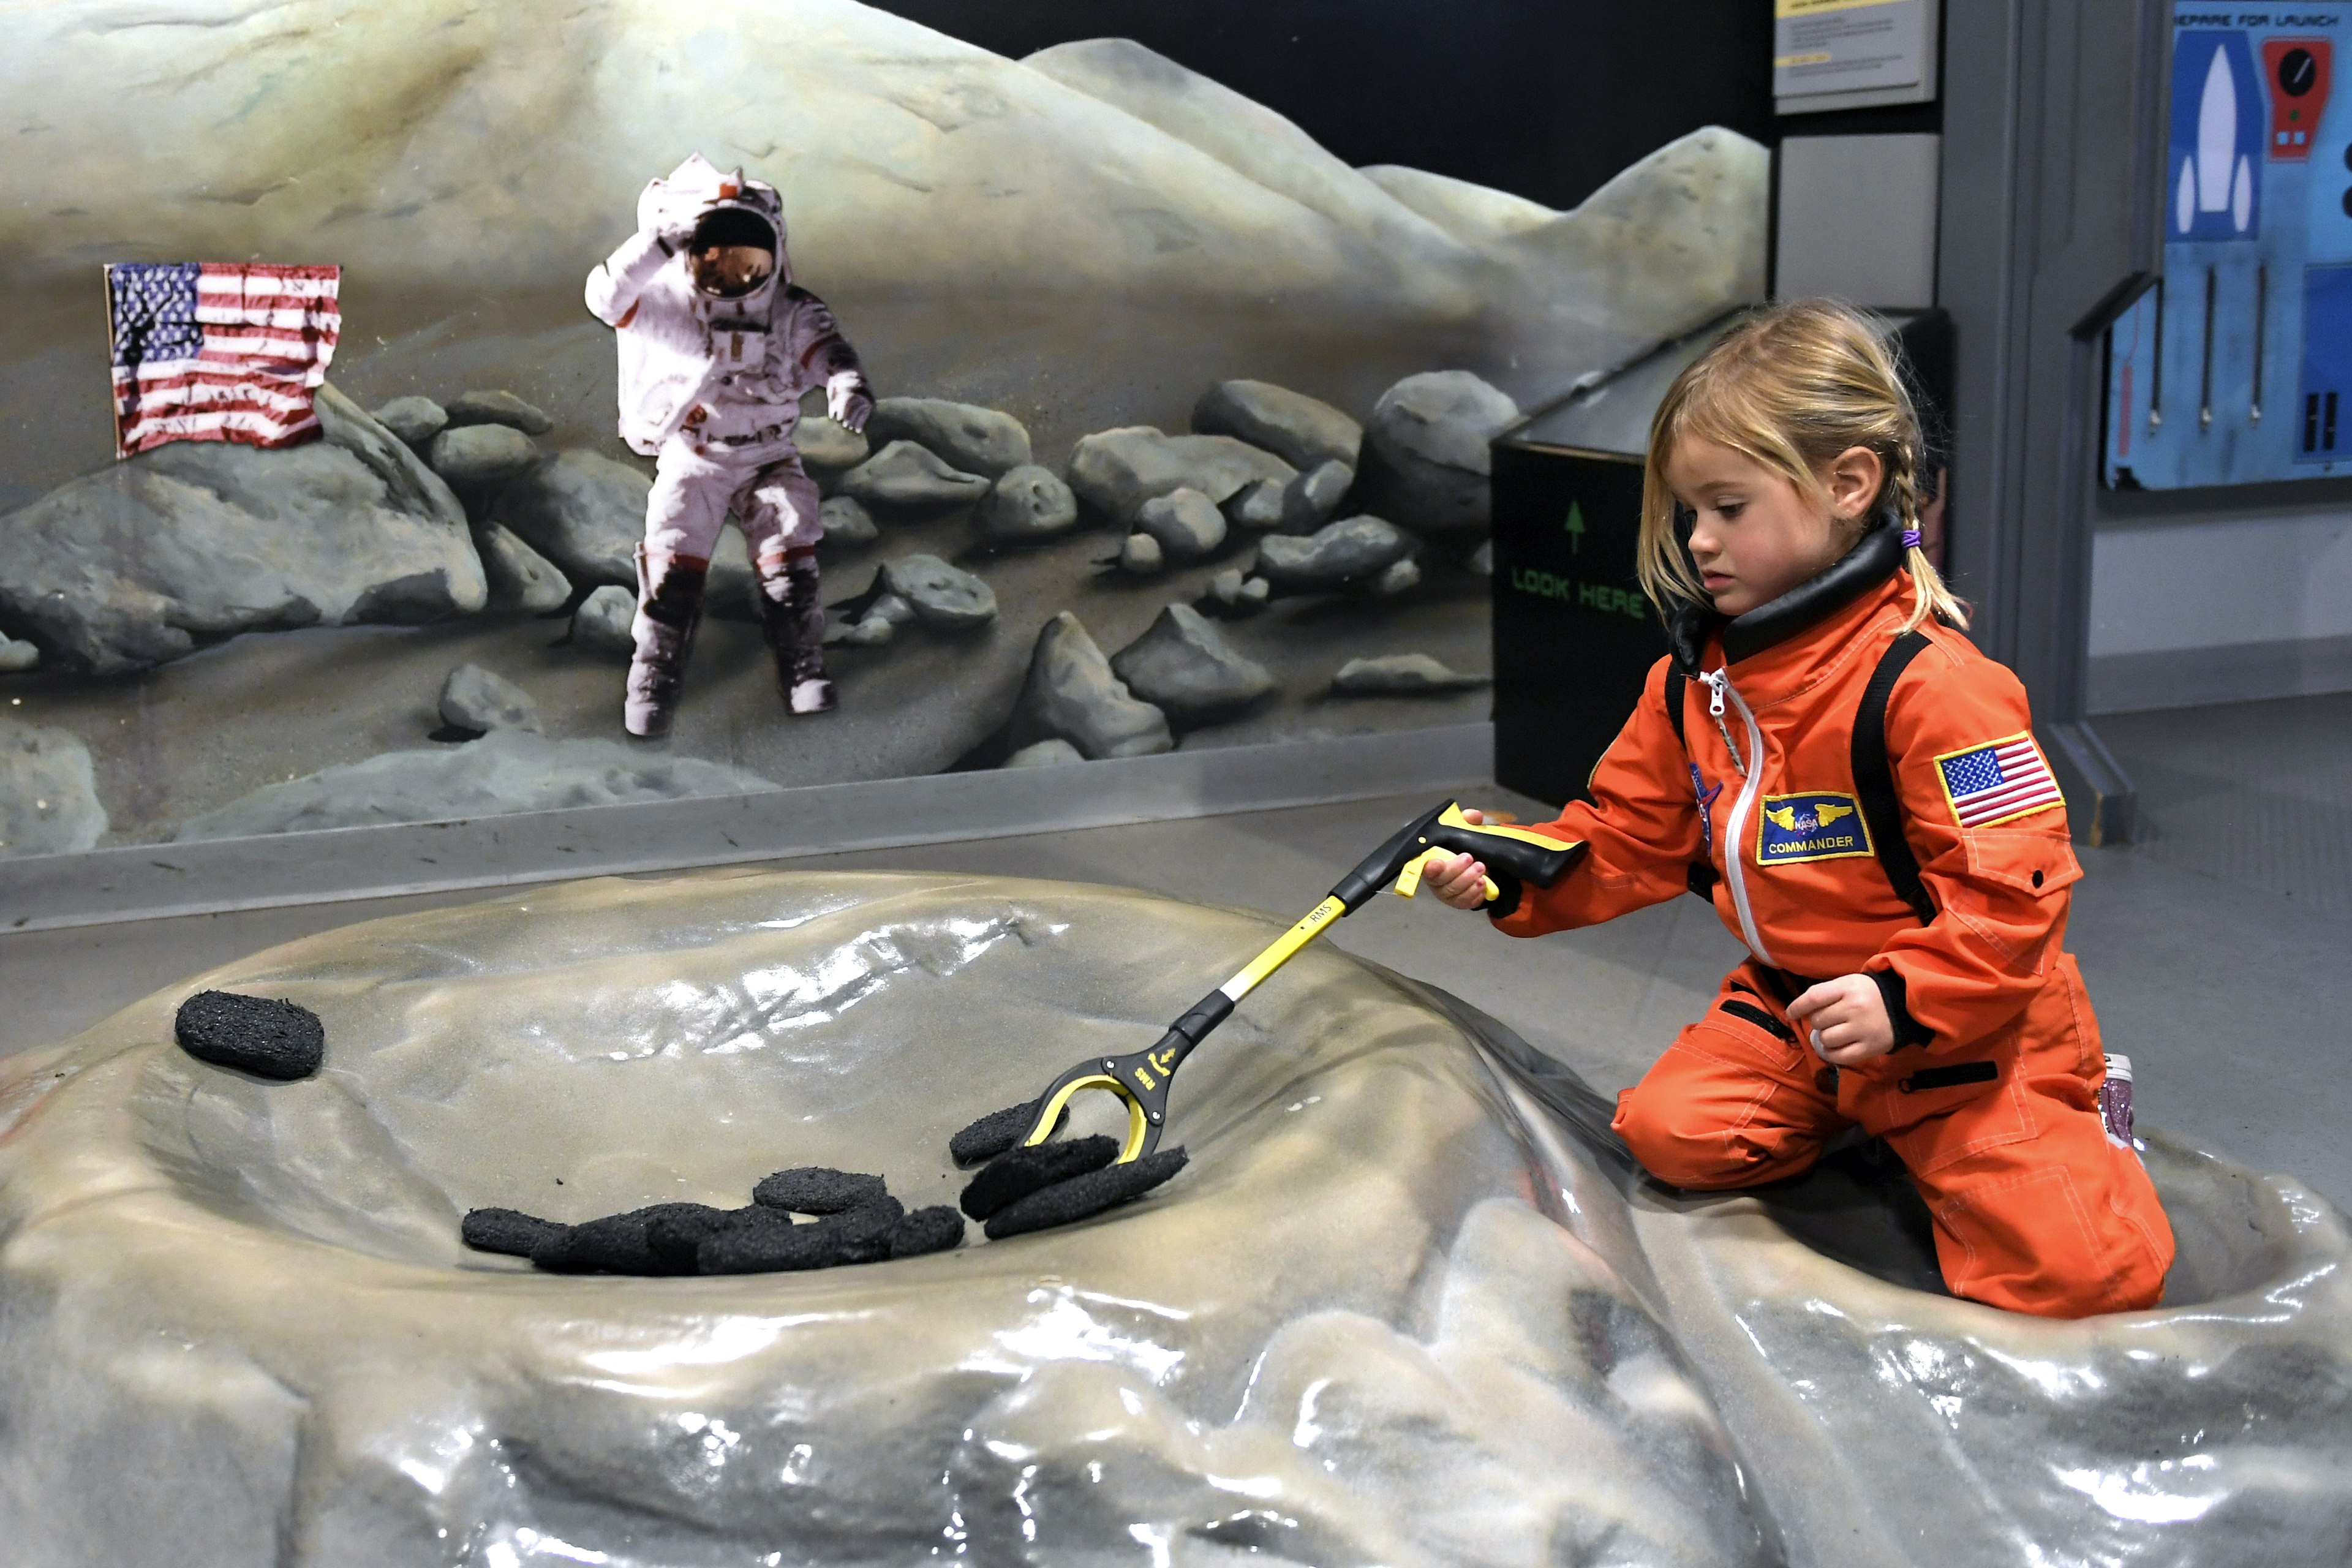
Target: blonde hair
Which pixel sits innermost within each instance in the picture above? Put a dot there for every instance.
(1790, 388)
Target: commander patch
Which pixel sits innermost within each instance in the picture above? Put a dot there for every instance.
(1817, 827)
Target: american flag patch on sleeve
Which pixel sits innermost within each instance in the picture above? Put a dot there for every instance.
(1998, 782)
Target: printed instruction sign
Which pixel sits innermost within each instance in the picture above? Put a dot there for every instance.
(1847, 45)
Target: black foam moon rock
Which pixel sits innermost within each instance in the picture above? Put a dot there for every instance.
(676, 1238)
(508, 1231)
(818, 1190)
(1017, 1172)
(273, 1039)
(768, 1242)
(1082, 1197)
(995, 1132)
(863, 1233)
(934, 1229)
(616, 1244)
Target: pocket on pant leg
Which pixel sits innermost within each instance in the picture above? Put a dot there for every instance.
(1936, 1111)
(1750, 1028)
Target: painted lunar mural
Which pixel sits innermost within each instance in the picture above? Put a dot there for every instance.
(1178, 416)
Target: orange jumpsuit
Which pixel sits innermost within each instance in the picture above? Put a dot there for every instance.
(2035, 1208)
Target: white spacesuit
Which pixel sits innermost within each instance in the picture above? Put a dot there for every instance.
(716, 349)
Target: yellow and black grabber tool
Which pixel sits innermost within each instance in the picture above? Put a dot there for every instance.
(1514, 855)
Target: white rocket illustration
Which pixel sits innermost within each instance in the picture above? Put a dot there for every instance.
(2217, 177)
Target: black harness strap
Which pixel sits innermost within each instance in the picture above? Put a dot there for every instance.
(1873, 777)
(1700, 878)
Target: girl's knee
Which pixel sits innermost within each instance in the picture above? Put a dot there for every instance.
(1682, 1146)
(2046, 1244)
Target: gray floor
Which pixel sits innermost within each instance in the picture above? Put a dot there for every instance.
(2217, 951)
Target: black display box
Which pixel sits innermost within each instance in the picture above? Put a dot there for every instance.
(1574, 639)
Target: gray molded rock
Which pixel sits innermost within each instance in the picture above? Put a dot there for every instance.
(1140, 553)
(1257, 506)
(1482, 560)
(584, 511)
(828, 449)
(1183, 666)
(1116, 471)
(1402, 675)
(507, 771)
(201, 539)
(1046, 753)
(415, 419)
(1301, 431)
(49, 793)
(1232, 590)
(847, 524)
(1397, 577)
(873, 631)
(1426, 463)
(976, 440)
(903, 473)
(1310, 500)
(891, 607)
(1072, 693)
(1352, 550)
(482, 699)
(498, 408)
(946, 598)
(519, 577)
(1027, 503)
(602, 622)
(16, 657)
(482, 456)
(1187, 523)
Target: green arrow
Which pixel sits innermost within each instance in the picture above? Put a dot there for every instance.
(1575, 529)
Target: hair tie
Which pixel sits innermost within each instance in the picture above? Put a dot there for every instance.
(1910, 539)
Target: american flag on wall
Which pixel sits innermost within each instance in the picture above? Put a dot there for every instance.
(218, 352)
(1997, 782)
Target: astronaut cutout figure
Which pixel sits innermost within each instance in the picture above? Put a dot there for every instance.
(717, 348)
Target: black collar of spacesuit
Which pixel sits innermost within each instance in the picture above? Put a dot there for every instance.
(1862, 568)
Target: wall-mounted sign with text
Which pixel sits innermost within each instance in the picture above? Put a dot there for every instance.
(1852, 54)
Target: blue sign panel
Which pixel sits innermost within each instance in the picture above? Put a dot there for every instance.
(2232, 368)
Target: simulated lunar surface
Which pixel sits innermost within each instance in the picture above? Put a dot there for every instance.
(1407, 1304)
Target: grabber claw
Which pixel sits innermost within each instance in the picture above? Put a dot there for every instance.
(1140, 1079)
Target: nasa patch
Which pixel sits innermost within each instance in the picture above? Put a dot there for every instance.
(1812, 827)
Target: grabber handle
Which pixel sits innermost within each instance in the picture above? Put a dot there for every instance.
(1517, 855)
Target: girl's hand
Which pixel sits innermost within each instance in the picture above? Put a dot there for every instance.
(1846, 1019)
(1461, 882)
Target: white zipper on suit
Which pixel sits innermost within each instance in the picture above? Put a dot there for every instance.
(1735, 829)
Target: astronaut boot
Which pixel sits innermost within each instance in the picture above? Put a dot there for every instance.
(796, 630)
(664, 632)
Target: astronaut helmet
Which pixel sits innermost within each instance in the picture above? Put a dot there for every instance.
(737, 244)
(733, 252)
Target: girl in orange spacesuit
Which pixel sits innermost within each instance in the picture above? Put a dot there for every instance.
(1859, 791)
